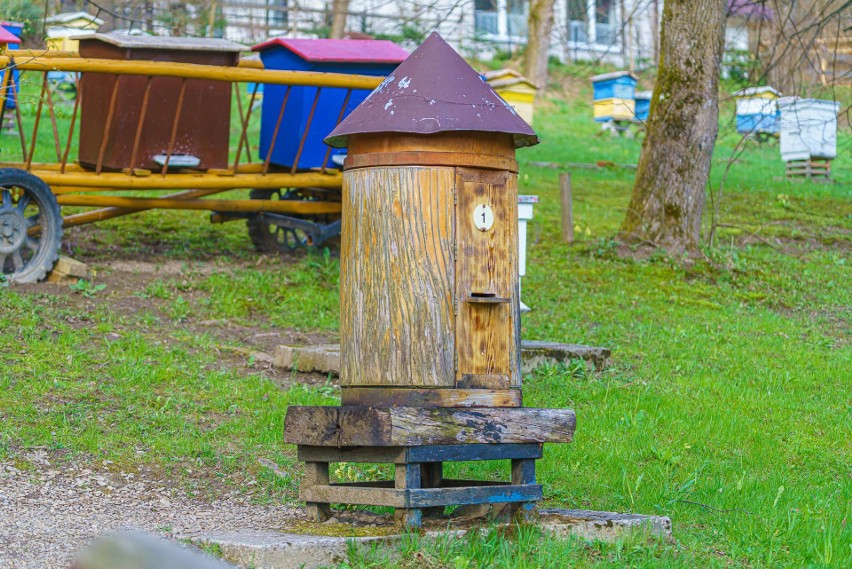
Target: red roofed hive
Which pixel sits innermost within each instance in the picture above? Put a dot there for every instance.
(429, 245)
(7, 37)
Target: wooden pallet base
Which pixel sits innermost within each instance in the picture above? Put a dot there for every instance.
(816, 170)
(419, 487)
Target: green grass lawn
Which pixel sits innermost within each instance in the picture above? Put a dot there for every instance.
(727, 405)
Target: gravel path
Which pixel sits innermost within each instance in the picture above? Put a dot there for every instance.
(49, 515)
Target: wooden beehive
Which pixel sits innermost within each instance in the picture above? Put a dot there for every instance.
(429, 300)
(429, 248)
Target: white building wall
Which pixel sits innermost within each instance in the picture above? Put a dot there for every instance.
(620, 32)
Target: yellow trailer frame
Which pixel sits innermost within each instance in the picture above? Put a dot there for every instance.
(69, 181)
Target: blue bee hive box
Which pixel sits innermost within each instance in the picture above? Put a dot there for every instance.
(615, 85)
(614, 96)
(357, 57)
(643, 105)
(757, 111)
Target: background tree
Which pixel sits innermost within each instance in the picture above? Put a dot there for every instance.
(539, 25)
(339, 13)
(669, 192)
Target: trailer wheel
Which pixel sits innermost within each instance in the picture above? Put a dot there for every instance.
(26, 202)
(269, 238)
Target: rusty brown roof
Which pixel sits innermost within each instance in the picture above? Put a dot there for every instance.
(433, 91)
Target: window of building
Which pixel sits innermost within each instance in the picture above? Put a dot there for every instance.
(501, 19)
(277, 17)
(578, 21)
(592, 22)
(605, 26)
(517, 14)
(486, 17)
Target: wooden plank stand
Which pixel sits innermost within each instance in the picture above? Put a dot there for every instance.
(812, 169)
(418, 441)
(419, 486)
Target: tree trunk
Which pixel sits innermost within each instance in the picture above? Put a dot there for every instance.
(669, 192)
(539, 24)
(340, 11)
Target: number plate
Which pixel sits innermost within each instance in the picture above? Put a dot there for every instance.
(483, 217)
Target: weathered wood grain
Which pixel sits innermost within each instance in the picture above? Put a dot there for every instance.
(396, 277)
(352, 454)
(348, 494)
(337, 426)
(470, 452)
(414, 397)
(316, 474)
(421, 158)
(413, 426)
(483, 143)
(496, 494)
(487, 335)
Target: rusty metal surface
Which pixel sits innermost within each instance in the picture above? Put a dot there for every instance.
(204, 126)
(433, 91)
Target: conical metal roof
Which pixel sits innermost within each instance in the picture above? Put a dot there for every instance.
(434, 90)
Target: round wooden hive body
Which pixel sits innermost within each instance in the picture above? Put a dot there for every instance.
(429, 283)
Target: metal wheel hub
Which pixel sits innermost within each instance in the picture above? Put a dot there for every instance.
(13, 230)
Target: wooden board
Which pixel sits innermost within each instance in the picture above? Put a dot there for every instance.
(492, 494)
(413, 397)
(487, 335)
(413, 426)
(396, 277)
(378, 494)
(420, 454)
(348, 494)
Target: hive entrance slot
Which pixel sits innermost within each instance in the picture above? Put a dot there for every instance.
(487, 298)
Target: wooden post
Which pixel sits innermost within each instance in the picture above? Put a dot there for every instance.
(316, 474)
(408, 477)
(567, 207)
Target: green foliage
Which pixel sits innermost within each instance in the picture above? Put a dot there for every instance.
(87, 288)
(29, 13)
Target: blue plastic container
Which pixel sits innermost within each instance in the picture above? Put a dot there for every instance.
(643, 105)
(357, 57)
(17, 30)
(616, 85)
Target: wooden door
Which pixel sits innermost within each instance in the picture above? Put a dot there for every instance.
(487, 319)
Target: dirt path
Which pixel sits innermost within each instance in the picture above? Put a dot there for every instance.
(51, 509)
(49, 515)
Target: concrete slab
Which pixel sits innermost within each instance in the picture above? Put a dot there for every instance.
(280, 550)
(325, 358)
(535, 354)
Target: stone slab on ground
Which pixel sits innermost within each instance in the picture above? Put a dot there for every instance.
(325, 358)
(535, 354)
(278, 550)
